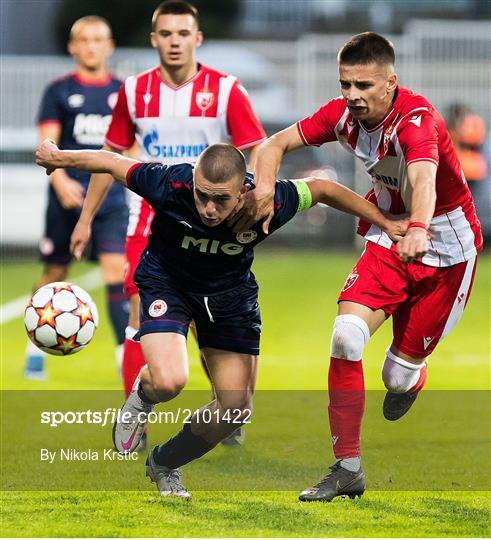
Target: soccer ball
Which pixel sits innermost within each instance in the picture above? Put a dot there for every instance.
(61, 318)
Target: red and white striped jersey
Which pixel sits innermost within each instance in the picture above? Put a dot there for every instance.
(412, 131)
(175, 124)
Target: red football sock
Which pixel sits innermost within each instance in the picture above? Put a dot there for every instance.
(133, 361)
(421, 381)
(346, 406)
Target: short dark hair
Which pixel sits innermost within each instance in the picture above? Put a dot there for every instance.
(367, 48)
(222, 162)
(174, 7)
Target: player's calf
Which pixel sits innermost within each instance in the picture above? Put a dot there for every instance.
(403, 381)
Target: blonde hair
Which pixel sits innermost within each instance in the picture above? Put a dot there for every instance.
(88, 19)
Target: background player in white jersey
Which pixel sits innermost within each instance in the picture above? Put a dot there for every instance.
(174, 112)
(424, 282)
(75, 112)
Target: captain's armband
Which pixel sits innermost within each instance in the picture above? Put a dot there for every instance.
(304, 195)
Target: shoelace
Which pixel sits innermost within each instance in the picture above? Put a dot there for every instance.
(174, 479)
(327, 478)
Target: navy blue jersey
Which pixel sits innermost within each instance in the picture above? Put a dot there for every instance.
(202, 259)
(84, 111)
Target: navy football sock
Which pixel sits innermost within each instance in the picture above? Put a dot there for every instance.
(181, 449)
(118, 310)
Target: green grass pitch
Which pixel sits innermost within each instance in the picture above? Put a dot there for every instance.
(298, 300)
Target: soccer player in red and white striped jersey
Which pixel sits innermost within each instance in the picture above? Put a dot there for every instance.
(425, 280)
(174, 112)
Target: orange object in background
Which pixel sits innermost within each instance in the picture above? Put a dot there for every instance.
(468, 136)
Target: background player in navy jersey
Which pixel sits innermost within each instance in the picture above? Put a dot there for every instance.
(174, 111)
(425, 281)
(196, 267)
(75, 112)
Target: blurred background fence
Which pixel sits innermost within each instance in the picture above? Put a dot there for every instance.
(447, 61)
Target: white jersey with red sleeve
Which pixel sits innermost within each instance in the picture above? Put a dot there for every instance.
(412, 131)
(175, 124)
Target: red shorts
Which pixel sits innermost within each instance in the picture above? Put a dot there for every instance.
(425, 302)
(134, 248)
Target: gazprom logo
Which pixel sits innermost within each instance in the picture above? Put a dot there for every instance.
(154, 149)
(387, 180)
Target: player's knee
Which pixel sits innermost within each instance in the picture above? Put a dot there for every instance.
(399, 375)
(236, 406)
(167, 385)
(349, 337)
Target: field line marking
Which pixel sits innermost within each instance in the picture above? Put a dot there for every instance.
(13, 309)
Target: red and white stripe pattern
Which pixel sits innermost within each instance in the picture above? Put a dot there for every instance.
(412, 131)
(175, 124)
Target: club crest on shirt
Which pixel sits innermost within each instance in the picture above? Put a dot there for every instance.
(76, 100)
(204, 100)
(246, 237)
(350, 281)
(157, 308)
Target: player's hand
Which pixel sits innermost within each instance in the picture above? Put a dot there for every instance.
(257, 204)
(396, 227)
(80, 238)
(415, 244)
(45, 155)
(70, 193)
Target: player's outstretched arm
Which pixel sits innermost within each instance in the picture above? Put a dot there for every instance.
(49, 156)
(259, 202)
(422, 177)
(344, 199)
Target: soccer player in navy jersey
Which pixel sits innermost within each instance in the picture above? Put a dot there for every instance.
(174, 111)
(75, 112)
(196, 267)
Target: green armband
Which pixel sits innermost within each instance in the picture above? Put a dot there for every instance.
(304, 195)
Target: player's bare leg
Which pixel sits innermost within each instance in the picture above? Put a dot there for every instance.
(404, 376)
(234, 377)
(35, 358)
(353, 327)
(237, 437)
(112, 268)
(161, 379)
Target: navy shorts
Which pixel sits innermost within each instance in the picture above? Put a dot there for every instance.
(108, 231)
(229, 321)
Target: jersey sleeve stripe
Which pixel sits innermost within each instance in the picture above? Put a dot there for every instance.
(115, 145)
(130, 172)
(302, 136)
(422, 159)
(304, 195)
(252, 143)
